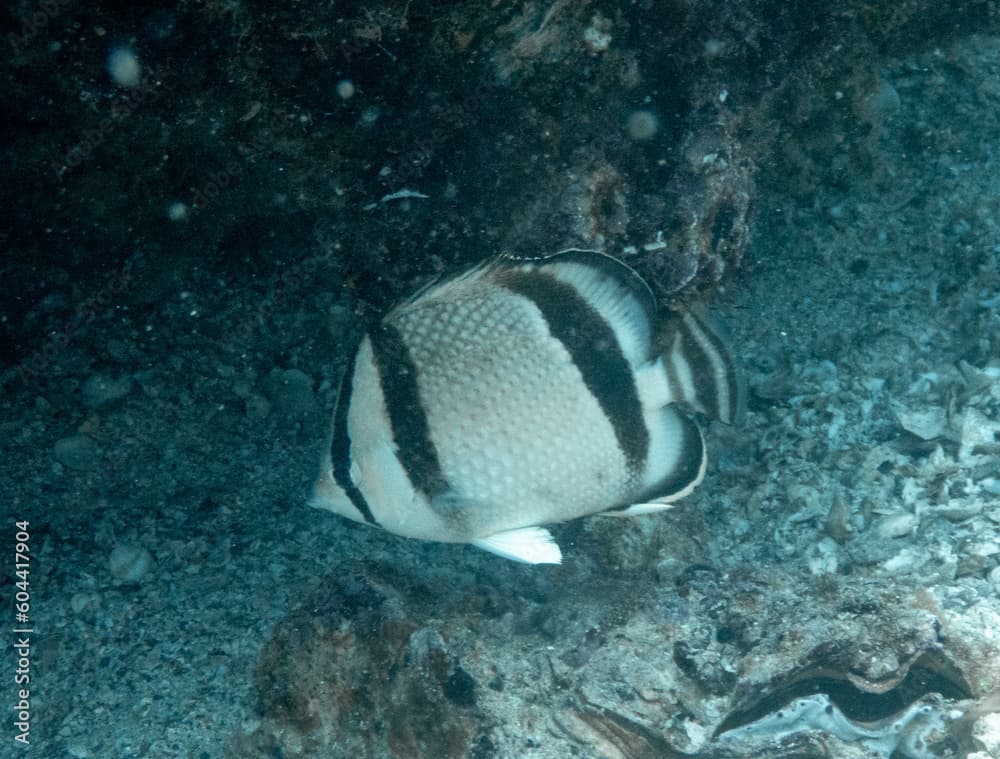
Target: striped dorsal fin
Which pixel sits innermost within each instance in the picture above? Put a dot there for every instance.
(701, 370)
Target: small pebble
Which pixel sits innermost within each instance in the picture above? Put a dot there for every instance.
(130, 563)
(121, 350)
(292, 394)
(85, 603)
(99, 390)
(76, 452)
(258, 407)
(994, 577)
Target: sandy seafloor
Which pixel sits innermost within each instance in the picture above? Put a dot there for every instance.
(840, 564)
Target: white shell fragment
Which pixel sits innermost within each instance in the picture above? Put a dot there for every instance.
(978, 430)
(926, 423)
(896, 526)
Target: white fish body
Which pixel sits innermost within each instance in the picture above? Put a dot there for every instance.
(523, 393)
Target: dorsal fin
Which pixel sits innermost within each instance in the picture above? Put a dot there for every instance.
(700, 367)
(611, 287)
(445, 286)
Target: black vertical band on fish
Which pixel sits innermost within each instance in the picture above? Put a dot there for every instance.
(685, 470)
(340, 447)
(688, 465)
(407, 417)
(614, 269)
(595, 351)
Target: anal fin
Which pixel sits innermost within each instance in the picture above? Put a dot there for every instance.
(638, 509)
(531, 545)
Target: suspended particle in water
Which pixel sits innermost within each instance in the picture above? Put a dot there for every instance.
(345, 89)
(124, 67)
